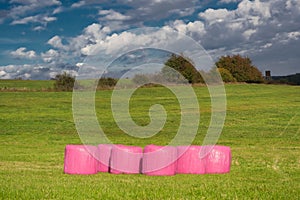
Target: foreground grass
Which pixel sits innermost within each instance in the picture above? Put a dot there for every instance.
(262, 128)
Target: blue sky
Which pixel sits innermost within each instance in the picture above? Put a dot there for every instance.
(42, 38)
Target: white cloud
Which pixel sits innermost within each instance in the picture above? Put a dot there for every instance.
(254, 8)
(293, 5)
(25, 20)
(43, 19)
(268, 45)
(3, 74)
(114, 44)
(286, 37)
(50, 56)
(56, 42)
(247, 34)
(39, 28)
(252, 20)
(190, 28)
(22, 53)
(113, 15)
(116, 21)
(211, 16)
(90, 35)
(24, 12)
(30, 6)
(79, 64)
(58, 10)
(295, 35)
(78, 4)
(253, 12)
(39, 71)
(96, 31)
(49, 19)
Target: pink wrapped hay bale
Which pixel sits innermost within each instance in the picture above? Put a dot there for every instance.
(80, 159)
(104, 157)
(159, 160)
(218, 159)
(189, 160)
(126, 159)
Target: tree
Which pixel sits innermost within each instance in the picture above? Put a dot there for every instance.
(64, 82)
(241, 68)
(226, 75)
(184, 66)
(106, 83)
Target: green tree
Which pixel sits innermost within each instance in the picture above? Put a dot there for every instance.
(106, 83)
(226, 75)
(64, 82)
(241, 68)
(184, 66)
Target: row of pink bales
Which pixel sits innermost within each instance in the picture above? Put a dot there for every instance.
(153, 160)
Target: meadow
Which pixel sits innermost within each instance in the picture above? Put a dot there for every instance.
(262, 128)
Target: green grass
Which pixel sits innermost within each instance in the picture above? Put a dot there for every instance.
(25, 85)
(262, 128)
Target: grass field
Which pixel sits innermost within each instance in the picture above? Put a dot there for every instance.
(262, 128)
(28, 85)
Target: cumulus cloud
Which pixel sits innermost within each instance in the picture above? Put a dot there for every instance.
(219, 15)
(22, 53)
(114, 43)
(195, 29)
(255, 28)
(96, 32)
(35, 72)
(90, 35)
(56, 42)
(50, 56)
(114, 20)
(255, 21)
(4, 75)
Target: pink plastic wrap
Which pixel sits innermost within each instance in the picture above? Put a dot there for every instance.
(189, 160)
(159, 160)
(104, 157)
(126, 159)
(218, 159)
(80, 159)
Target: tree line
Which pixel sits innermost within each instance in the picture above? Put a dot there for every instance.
(179, 68)
(233, 68)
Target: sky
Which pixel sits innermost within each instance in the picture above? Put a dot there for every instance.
(40, 39)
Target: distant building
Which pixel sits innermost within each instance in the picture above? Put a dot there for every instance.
(268, 75)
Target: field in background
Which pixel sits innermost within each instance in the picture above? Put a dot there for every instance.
(25, 85)
(262, 128)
